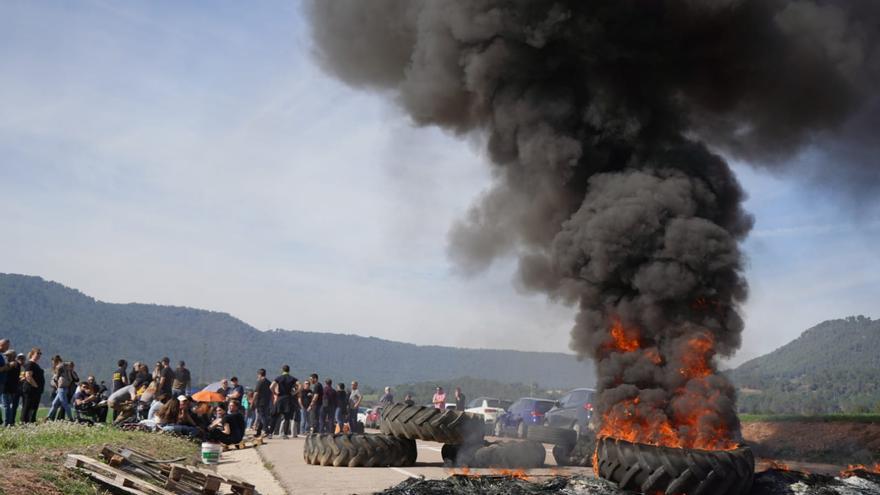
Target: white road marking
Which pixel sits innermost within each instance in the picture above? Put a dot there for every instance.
(405, 472)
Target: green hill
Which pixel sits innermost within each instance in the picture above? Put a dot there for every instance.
(832, 367)
(94, 334)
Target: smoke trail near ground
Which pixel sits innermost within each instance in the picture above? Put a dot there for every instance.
(600, 119)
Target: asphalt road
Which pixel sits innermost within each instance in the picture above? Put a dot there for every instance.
(285, 458)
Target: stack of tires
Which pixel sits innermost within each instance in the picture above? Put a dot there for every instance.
(569, 449)
(402, 424)
(462, 436)
(358, 450)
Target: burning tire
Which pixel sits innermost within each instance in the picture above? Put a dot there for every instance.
(358, 450)
(508, 455)
(650, 469)
(548, 434)
(428, 423)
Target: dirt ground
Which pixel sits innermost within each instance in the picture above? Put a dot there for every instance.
(837, 443)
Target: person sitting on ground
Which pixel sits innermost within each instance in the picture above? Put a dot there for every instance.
(202, 415)
(227, 427)
(85, 403)
(158, 402)
(175, 417)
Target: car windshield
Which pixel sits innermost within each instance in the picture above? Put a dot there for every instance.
(543, 405)
(495, 403)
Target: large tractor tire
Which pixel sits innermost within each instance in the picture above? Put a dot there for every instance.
(507, 455)
(359, 450)
(671, 471)
(428, 423)
(579, 454)
(548, 434)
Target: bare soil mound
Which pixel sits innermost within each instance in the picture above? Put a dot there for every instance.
(833, 442)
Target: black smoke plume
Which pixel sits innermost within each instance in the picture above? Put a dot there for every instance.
(605, 121)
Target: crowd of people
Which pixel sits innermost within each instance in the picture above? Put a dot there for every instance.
(162, 399)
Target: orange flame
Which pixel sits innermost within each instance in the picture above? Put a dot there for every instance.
(623, 341)
(852, 469)
(778, 465)
(649, 423)
(519, 474)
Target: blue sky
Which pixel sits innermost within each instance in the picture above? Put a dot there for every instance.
(165, 153)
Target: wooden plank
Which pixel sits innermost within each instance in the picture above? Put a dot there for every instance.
(119, 479)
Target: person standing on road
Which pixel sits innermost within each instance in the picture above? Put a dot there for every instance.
(282, 403)
(354, 402)
(387, 398)
(459, 399)
(315, 404)
(304, 398)
(32, 386)
(262, 400)
(439, 399)
(329, 407)
(341, 408)
(236, 391)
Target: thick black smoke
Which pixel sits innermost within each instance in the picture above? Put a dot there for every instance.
(600, 118)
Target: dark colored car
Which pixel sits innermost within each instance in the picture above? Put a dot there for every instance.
(574, 410)
(522, 414)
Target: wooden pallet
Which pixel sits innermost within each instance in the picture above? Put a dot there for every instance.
(209, 481)
(244, 444)
(179, 478)
(111, 477)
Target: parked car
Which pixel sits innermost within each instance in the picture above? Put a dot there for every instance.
(373, 417)
(489, 408)
(522, 414)
(574, 410)
(362, 414)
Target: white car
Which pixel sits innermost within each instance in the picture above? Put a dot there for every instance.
(362, 414)
(489, 408)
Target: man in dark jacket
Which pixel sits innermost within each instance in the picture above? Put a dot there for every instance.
(282, 402)
(263, 422)
(32, 386)
(329, 408)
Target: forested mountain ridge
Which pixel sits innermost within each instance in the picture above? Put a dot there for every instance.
(832, 367)
(94, 334)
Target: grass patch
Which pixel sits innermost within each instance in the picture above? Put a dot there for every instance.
(820, 418)
(32, 456)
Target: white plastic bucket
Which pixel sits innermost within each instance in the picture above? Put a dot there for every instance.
(211, 452)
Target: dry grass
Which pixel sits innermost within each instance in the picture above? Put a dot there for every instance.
(32, 456)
